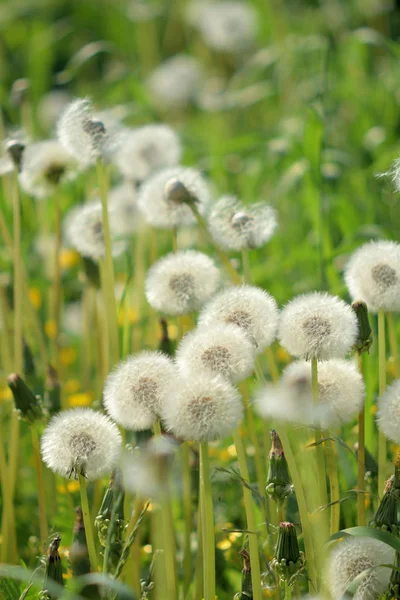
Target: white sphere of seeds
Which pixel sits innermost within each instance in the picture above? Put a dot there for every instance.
(162, 206)
(388, 416)
(81, 441)
(318, 325)
(176, 82)
(373, 275)
(135, 390)
(350, 558)
(248, 307)
(202, 408)
(222, 349)
(180, 283)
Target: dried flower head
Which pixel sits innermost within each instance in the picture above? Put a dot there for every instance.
(388, 416)
(135, 390)
(202, 408)
(180, 283)
(84, 231)
(165, 197)
(248, 307)
(176, 82)
(45, 165)
(81, 133)
(373, 275)
(350, 558)
(147, 149)
(318, 325)
(223, 349)
(81, 441)
(236, 227)
(225, 26)
(125, 217)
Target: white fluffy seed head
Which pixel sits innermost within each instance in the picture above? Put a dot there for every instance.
(45, 165)
(350, 558)
(81, 441)
(125, 217)
(147, 149)
(202, 408)
(84, 231)
(135, 390)
(225, 26)
(373, 275)
(221, 349)
(83, 135)
(318, 325)
(248, 307)
(176, 82)
(181, 282)
(161, 209)
(388, 416)
(236, 227)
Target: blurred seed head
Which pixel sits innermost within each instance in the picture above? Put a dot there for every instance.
(175, 83)
(388, 416)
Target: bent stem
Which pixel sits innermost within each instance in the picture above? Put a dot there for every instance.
(207, 524)
(382, 386)
(361, 458)
(44, 532)
(88, 524)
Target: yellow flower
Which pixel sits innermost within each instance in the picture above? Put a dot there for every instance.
(282, 355)
(132, 315)
(68, 258)
(224, 455)
(61, 488)
(73, 486)
(72, 386)
(373, 409)
(50, 328)
(172, 331)
(5, 393)
(224, 544)
(232, 450)
(82, 399)
(35, 297)
(147, 549)
(68, 356)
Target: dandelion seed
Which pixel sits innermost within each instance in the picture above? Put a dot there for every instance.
(350, 558)
(248, 307)
(145, 150)
(373, 275)
(388, 417)
(161, 204)
(236, 227)
(180, 283)
(81, 442)
(202, 409)
(319, 326)
(176, 82)
(135, 390)
(223, 349)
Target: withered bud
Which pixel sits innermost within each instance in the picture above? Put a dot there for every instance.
(364, 338)
(15, 150)
(27, 404)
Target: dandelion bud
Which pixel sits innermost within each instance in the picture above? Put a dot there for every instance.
(27, 404)
(81, 441)
(15, 150)
(247, 586)
(78, 554)
(223, 349)
(373, 275)
(202, 409)
(386, 515)
(181, 282)
(248, 307)
(288, 560)
(388, 415)
(351, 557)
(53, 569)
(53, 391)
(279, 485)
(318, 326)
(364, 338)
(165, 198)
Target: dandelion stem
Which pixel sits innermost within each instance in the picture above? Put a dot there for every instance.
(246, 266)
(382, 386)
(207, 524)
(187, 516)
(361, 458)
(323, 496)
(254, 438)
(169, 549)
(251, 522)
(56, 292)
(394, 350)
(88, 524)
(331, 463)
(44, 532)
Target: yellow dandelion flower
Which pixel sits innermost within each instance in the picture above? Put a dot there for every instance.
(132, 315)
(61, 488)
(172, 331)
(50, 328)
(82, 399)
(232, 450)
(72, 386)
(224, 455)
(68, 356)
(283, 355)
(35, 297)
(147, 549)
(224, 544)
(5, 393)
(73, 486)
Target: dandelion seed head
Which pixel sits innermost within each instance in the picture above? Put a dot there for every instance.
(176, 82)
(318, 325)
(201, 408)
(388, 416)
(135, 390)
(248, 307)
(373, 275)
(351, 557)
(81, 441)
(237, 227)
(160, 208)
(181, 282)
(221, 349)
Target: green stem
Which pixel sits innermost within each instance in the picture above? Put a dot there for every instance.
(207, 524)
(251, 522)
(258, 455)
(187, 517)
(88, 524)
(56, 292)
(44, 532)
(246, 267)
(323, 496)
(382, 387)
(169, 549)
(333, 476)
(198, 575)
(288, 590)
(394, 350)
(361, 520)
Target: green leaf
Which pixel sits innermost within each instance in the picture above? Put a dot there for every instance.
(9, 588)
(370, 532)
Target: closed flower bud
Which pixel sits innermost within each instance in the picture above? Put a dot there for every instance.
(28, 405)
(53, 568)
(279, 485)
(364, 337)
(288, 560)
(386, 515)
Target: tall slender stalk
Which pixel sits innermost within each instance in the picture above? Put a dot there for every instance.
(56, 291)
(251, 522)
(187, 517)
(323, 496)
(382, 386)
(88, 524)
(207, 524)
(361, 520)
(394, 349)
(44, 531)
(332, 468)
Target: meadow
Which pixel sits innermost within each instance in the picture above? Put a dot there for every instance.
(199, 297)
